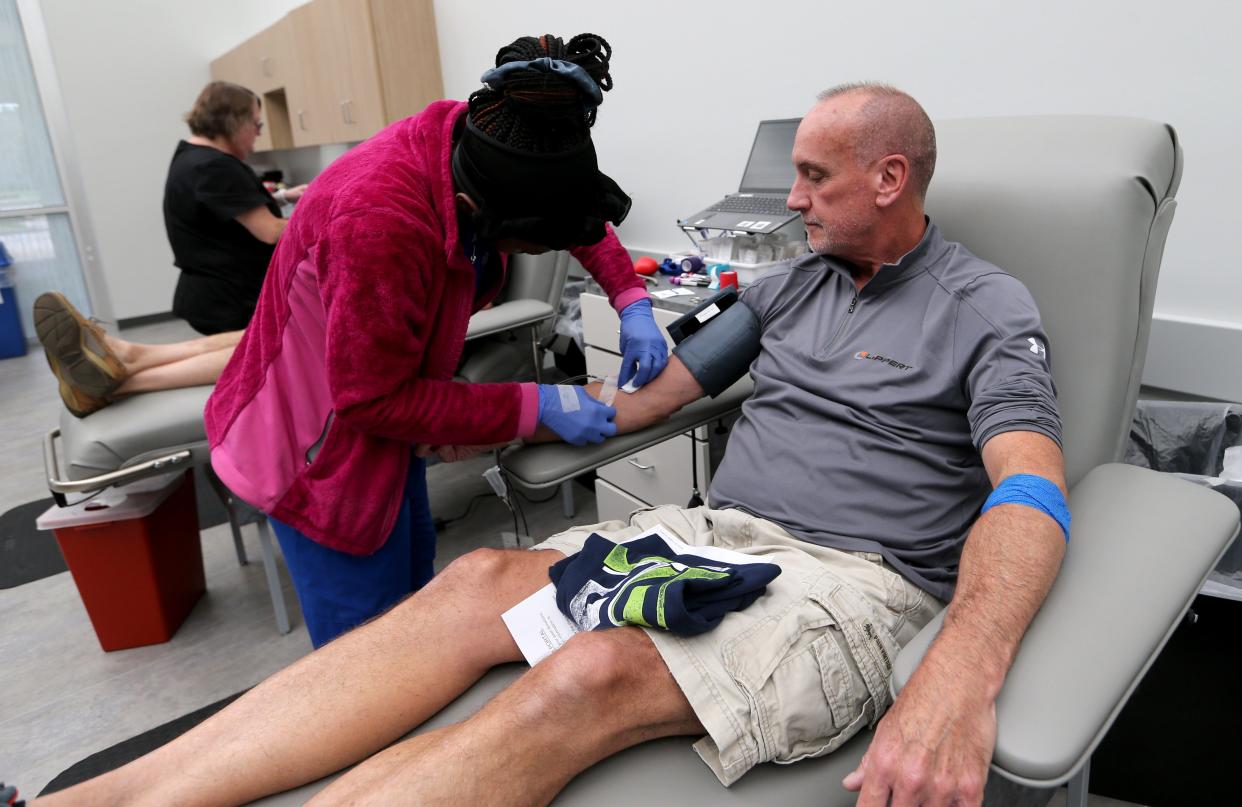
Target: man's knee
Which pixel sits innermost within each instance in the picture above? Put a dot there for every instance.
(617, 675)
(481, 565)
(489, 579)
(602, 664)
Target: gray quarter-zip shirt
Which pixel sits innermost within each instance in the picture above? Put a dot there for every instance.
(871, 407)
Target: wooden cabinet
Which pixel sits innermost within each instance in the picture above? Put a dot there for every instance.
(335, 71)
(354, 70)
(310, 107)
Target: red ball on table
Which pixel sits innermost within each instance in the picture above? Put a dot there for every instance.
(646, 266)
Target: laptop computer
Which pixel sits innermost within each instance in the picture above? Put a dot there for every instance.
(759, 204)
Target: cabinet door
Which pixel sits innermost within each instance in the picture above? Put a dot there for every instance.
(310, 97)
(660, 474)
(274, 58)
(614, 504)
(409, 58)
(356, 82)
(279, 77)
(228, 67)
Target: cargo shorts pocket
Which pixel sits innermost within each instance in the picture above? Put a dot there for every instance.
(804, 692)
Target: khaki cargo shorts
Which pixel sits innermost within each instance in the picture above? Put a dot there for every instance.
(802, 669)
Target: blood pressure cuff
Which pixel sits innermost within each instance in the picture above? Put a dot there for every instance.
(722, 349)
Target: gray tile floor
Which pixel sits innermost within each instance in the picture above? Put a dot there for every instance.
(62, 698)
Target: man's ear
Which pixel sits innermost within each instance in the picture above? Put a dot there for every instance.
(892, 176)
(465, 204)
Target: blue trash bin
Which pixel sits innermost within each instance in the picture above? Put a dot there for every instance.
(12, 336)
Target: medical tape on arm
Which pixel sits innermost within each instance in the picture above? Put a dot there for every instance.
(722, 349)
(608, 392)
(569, 398)
(1035, 492)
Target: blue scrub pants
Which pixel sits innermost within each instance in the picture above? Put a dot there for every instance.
(339, 591)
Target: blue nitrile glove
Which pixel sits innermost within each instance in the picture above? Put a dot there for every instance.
(577, 417)
(643, 349)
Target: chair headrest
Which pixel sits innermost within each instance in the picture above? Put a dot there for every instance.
(1077, 208)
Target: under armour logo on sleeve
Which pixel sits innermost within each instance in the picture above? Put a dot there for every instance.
(1037, 348)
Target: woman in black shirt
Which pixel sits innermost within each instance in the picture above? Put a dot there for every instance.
(223, 226)
(221, 222)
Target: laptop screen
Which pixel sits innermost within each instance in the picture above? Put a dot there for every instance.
(770, 167)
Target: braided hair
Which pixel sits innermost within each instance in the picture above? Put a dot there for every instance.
(525, 156)
(540, 112)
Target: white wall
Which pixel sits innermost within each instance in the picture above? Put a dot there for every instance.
(692, 79)
(128, 72)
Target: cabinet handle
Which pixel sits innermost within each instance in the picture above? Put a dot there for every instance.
(639, 465)
(347, 111)
(265, 65)
(301, 120)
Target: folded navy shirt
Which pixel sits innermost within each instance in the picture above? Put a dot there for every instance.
(644, 583)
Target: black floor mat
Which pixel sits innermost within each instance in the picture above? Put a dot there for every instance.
(127, 751)
(28, 554)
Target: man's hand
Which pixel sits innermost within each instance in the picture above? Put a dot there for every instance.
(932, 748)
(934, 745)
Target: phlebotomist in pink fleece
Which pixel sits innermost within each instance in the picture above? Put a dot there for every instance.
(347, 363)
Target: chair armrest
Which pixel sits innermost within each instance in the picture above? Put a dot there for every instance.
(506, 316)
(550, 464)
(1142, 543)
(58, 487)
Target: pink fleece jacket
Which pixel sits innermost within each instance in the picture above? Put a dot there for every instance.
(358, 331)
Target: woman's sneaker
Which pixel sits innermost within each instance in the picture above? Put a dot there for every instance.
(87, 369)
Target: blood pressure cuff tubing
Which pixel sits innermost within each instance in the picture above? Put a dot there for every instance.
(721, 351)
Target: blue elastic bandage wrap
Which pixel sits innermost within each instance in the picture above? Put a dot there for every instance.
(1034, 491)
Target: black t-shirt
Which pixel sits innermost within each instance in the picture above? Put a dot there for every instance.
(222, 264)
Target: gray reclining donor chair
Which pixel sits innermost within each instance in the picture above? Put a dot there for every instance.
(157, 432)
(1077, 208)
(527, 307)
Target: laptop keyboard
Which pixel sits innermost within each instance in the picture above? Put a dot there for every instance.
(770, 205)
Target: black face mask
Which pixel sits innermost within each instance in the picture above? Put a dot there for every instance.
(556, 200)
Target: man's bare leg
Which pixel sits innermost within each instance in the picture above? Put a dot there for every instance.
(602, 692)
(342, 702)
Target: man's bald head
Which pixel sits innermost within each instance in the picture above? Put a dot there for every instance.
(888, 121)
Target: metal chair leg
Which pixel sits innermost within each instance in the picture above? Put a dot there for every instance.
(1076, 795)
(536, 354)
(273, 580)
(226, 498)
(567, 498)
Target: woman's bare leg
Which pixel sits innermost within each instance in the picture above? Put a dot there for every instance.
(202, 368)
(137, 356)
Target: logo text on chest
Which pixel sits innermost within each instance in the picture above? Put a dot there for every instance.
(864, 354)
